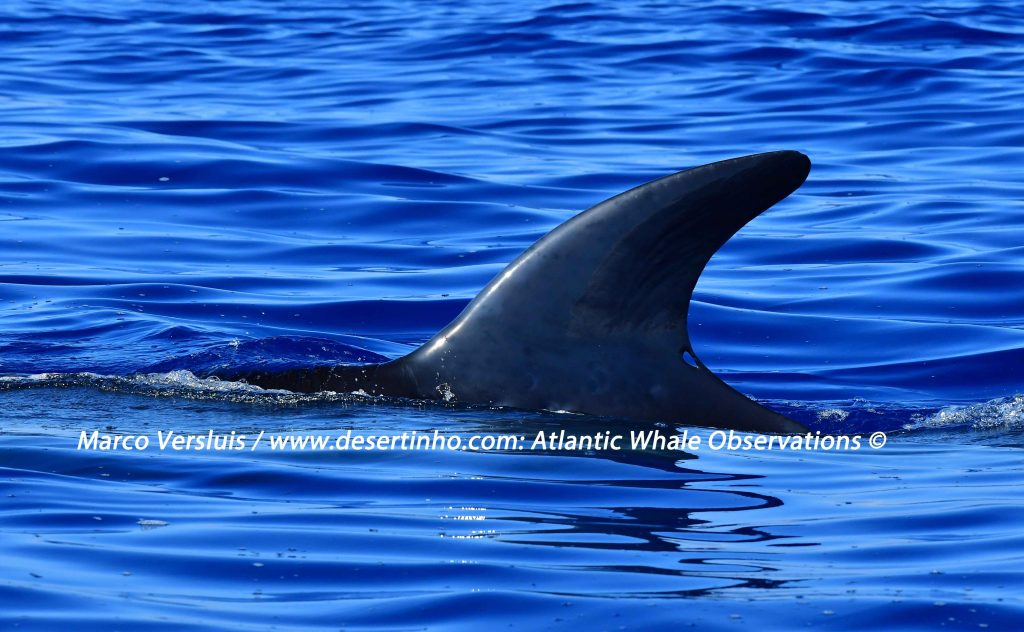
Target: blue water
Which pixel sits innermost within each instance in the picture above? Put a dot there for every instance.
(196, 185)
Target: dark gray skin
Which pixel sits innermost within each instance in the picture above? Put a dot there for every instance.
(592, 318)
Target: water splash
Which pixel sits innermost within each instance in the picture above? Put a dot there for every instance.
(1006, 413)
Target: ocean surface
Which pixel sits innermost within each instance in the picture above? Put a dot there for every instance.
(254, 184)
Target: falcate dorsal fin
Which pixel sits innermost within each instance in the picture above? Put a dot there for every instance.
(592, 318)
(615, 280)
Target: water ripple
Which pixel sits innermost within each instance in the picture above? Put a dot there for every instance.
(261, 184)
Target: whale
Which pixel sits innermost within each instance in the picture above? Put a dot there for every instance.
(592, 318)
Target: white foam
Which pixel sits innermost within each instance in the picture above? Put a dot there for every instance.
(1002, 413)
(833, 414)
(186, 379)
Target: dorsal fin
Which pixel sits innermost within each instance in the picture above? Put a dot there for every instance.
(616, 279)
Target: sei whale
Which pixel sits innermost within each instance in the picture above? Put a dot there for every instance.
(592, 317)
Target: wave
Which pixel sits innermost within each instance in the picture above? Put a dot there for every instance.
(847, 417)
